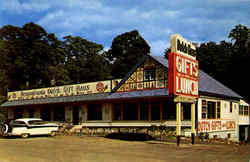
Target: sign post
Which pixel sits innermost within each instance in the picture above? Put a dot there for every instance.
(183, 78)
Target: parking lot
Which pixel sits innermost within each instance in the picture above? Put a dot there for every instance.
(95, 149)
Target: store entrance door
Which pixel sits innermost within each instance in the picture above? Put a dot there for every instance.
(75, 115)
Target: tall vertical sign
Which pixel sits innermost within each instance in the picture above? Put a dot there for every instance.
(183, 72)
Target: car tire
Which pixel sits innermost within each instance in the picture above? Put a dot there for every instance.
(53, 133)
(4, 129)
(25, 135)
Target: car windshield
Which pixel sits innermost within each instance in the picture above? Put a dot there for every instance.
(36, 122)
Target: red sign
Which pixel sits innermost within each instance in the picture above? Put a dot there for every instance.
(183, 75)
(100, 87)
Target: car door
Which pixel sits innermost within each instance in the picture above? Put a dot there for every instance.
(19, 128)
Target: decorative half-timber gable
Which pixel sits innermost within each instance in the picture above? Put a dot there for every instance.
(150, 74)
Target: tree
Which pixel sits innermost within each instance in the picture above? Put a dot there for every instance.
(166, 52)
(31, 53)
(84, 60)
(125, 52)
(227, 61)
(240, 59)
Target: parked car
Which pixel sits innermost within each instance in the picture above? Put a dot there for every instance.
(29, 126)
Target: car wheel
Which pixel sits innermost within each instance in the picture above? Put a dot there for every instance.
(4, 129)
(53, 133)
(25, 135)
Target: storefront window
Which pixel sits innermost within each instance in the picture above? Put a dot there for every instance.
(144, 111)
(155, 111)
(169, 111)
(31, 113)
(245, 110)
(94, 112)
(204, 109)
(117, 111)
(45, 113)
(18, 113)
(218, 109)
(59, 113)
(130, 111)
(241, 110)
(186, 111)
(211, 110)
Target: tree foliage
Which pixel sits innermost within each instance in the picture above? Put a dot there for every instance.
(32, 58)
(84, 60)
(31, 53)
(125, 52)
(228, 61)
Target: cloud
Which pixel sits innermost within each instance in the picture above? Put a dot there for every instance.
(18, 7)
(158, 47)
(156, 20)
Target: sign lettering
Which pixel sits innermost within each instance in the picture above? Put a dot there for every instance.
(216, 125)
(182, 46)
(78, 89)
(183, 75)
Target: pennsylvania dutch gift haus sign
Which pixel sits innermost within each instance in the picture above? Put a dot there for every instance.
(183, 71)
(67, 90)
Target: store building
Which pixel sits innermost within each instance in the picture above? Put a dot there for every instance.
(143, 98)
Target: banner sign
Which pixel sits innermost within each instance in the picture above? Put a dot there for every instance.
(216, 125)
(67, 90)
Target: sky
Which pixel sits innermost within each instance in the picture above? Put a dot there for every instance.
(101, 21)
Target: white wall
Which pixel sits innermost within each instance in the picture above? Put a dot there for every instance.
(244, 119)
(226, 124)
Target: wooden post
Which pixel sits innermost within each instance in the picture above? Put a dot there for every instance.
(161, 110)
(178, 122)
(193, 121)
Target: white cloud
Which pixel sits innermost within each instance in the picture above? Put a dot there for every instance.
(10, 5)
(171, 13)
(156, 20)
(158, 47)
(18, 7)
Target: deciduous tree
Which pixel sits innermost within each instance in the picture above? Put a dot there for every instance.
(125, 52)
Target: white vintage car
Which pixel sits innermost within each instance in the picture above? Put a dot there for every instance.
(26, 127)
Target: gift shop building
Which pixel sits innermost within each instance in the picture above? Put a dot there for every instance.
(171, 92)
